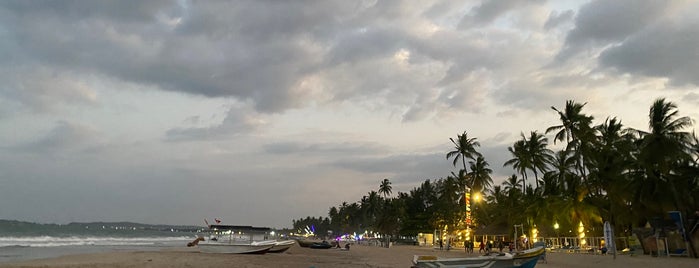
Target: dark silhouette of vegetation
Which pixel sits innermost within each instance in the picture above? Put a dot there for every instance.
(605, 172)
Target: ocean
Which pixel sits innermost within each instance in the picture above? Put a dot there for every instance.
(21, 241)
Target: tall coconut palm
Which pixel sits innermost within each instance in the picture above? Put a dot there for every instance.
(385, 188)
(520, 161)
(573, 121)
(539, 156)
(464, 148)
(563, 166)
(665, 145)
(480, 175)
(575, 129)
(511, 185)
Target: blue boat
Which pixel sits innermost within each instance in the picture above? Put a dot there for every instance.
(523, 259)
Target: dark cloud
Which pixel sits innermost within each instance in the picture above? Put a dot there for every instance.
(262, 52)
(601, 22)
(237, 122)
(401, 168)
(351, 148)
(666, 50)
(556, 19)
(65, 137)
(489, 10)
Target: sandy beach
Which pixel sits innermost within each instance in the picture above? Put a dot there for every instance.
(358, 256)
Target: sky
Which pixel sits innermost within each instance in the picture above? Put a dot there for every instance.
(260, 112)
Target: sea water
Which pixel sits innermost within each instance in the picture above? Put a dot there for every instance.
(21, 241)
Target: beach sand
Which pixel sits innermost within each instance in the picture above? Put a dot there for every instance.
(358, 256)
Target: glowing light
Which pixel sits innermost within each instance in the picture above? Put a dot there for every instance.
(555, 226)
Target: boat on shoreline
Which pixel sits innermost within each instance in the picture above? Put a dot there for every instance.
(279, 246)
(305, 243)
(234, 239)
(235, 248)
(523, 259)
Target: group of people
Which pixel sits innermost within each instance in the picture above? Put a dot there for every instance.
(485, 247)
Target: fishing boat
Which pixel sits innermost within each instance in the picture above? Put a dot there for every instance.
(523, 259)
(279, 246)
(305, 243)
(321, 245)
(231, 239)
(233, 247)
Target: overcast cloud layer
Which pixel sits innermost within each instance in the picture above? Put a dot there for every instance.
(259, 112)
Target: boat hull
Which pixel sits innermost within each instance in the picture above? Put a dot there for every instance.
(526, 259)
(321, 246)
(306, 243)
(281, 246)
(234, 248)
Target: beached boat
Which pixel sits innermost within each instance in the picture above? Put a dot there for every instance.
(232, 239)
(321, 245)
(306, 243)
(522, 259)
(233, 247)
(279, 246)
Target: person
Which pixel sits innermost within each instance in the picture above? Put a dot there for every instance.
(482, 247)
(512, 246)
(500, 245)
(347, 246)
(441, 245)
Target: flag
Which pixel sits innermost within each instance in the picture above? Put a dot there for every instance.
(217, 220)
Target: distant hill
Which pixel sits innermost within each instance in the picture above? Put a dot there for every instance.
(22, 228)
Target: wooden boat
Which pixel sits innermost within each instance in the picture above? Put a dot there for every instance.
(522, 259)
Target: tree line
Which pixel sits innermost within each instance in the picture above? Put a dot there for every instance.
(604, 172)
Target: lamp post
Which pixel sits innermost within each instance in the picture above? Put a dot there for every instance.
(558, 238)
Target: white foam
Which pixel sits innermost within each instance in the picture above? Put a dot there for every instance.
(53, 241)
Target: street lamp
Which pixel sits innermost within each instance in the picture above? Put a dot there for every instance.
(558, 238)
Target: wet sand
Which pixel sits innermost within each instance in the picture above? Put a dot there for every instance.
(357, 256)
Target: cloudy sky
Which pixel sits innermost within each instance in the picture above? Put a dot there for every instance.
(259, 112)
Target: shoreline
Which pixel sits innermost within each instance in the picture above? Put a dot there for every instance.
(357, 256)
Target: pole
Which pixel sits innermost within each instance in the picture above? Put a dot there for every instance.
(516, 237)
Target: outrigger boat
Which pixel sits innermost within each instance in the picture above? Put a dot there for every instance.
(523, 259)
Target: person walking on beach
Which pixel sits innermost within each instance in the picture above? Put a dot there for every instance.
(482, 247)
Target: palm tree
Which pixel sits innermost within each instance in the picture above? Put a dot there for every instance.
(539, 156)
(573, 122)
(480, 175)
(575, 129)
(520, 161)
(463, 148)
(563, 166)
(661, 149)
(385, 188)
(511, 185)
